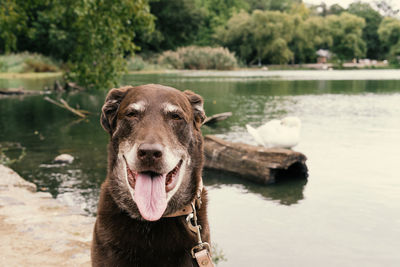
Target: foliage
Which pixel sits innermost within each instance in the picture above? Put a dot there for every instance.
(335, 9)
(94, 39)
(91, 36)
(389, 35)
(299, 9)
(136, 63)
(171, 59)
(370, 32)
(346, 31)
(308, 36)
(27, 62)
(11, 22)
(194, 57)
(281, 5)
(217, 13)
(263, 35)
(217, 254)
(177, 24)
(105, 33)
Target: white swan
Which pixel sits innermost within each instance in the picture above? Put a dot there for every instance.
(283, 133)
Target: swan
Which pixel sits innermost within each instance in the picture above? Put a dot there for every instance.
(283, 133)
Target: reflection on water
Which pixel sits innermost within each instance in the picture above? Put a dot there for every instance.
(345, 214)
(286, 192)
(31, 83)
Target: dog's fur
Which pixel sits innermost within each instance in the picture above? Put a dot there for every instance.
(171, 119)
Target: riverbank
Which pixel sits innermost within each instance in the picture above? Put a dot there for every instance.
(37, 230)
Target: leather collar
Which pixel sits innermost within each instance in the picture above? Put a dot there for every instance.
(188, 208)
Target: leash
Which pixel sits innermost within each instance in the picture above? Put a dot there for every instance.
(201, 251)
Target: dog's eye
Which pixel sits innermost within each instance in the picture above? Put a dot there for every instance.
(176, 116)
(133, 113)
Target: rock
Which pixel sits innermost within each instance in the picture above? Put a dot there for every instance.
(38, 230)
(64, 158)
(9, 178)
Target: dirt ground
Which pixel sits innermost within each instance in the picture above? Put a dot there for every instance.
(37, 230)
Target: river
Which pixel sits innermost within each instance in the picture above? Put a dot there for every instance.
(346, 214)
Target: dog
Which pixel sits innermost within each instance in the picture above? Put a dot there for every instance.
(154, 176)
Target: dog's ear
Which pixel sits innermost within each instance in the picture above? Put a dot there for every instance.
(197, 106)
(110, 108)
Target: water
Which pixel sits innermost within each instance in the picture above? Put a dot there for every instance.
(346, 214)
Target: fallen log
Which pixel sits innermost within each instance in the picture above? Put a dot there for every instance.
(217, 117)
(19, 91)
(64, 104)
(73, 86)
(258, 164)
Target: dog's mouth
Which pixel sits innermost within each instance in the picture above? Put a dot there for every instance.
(151, 190)
(170, 181)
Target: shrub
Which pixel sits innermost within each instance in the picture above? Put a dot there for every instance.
(27, 62)
(171, 59)
(136, 63)
(39, 65)
(194, 57)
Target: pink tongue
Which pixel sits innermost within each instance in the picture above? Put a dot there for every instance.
(150, 196)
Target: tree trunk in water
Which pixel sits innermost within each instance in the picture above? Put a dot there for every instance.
(255, 163)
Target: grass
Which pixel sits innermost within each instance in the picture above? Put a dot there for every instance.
(29, 75)
(27, 62)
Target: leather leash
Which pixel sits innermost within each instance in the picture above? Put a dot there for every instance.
(200, 252)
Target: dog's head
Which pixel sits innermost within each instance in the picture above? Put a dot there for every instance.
(155, 150)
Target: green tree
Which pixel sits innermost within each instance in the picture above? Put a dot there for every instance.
(389, 35)
(281, 5)
(299, 9)
(104, 35)
(11, 22)
(335, 9)
(216, 14)
(309, 36)
(91, 36)
(177, 24)
(346, 32)
(370, 33)
(237, 35)
(261, 36)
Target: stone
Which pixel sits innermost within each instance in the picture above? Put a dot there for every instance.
(64, 158)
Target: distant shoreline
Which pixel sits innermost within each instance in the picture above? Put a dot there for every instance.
(293, 74)
(359, 74)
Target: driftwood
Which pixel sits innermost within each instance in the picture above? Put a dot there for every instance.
(217, 117)
(73, 86)
(65, 86)
(19, 91)
(58, 87)
(64, 104)
(254, 163)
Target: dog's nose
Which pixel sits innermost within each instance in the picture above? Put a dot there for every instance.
(152, 152)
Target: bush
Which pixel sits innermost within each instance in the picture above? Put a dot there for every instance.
(27, 62)
(136, 63)
(171, 59)
(194, 57)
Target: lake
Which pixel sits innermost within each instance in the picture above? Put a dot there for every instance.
(346, 214)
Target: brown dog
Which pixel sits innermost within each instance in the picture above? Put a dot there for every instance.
(155, 159)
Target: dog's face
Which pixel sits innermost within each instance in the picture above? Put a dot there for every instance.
(155, 148)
